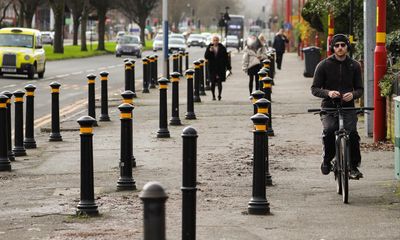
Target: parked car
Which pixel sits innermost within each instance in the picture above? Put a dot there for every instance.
(231, 41)
(47, 37)
(91, 36)
(129, 45)
(205, 34)
(21, 52)
(196, 40)
(158, 42)
(176, 45)
(177, 36)
(120, 34)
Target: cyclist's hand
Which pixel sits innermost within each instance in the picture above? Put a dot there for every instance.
(347, 97)
(334, 94)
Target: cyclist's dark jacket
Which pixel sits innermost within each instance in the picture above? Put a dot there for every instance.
(342, 76)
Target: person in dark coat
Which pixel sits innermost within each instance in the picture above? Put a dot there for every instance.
(218, 63)
(279, 44)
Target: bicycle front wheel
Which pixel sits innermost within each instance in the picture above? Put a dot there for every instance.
(345, 157)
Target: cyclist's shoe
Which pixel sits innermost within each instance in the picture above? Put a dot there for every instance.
(326, 167)
(355, 174)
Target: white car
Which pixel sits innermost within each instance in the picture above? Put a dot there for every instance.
(231, 41)
(47, 37)
(196, 40)
(91, 36)
(177, 36)
(158, 42)
(176, 45)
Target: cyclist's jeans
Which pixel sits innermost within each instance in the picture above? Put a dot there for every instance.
(330, 124)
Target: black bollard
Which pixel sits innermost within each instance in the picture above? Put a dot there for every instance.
(256, 95)
(127, 97)
(10, 153)
(5, 164)
(104, 97)
(156, 68)
(152, 67)
(206, 67)
(189, 165)
(87, 205)
(175, 120)
(19, 149)
(128, 74)
(262, 107)
(163, 132)
(145, 75)
(133, 85)
(92, 97)
(268, 89)
(202, 87)
(261, 74)
(29, 141)
(197, 72)
(153, 197)
(272, 59)
(125, 181)
(258, 203)
(187, 60)
(175, 62)
(266, 63)
(55, 135)
(190, 105)
(181, 54)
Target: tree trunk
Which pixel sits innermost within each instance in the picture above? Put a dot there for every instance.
(84, 19)
(28, 20)
(76, 30)
(58, 32)
(101, 29)
(142, 25)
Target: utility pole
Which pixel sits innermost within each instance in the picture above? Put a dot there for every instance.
(165, 36)
(379, 71)
(331, 31)
(351, 30)
(369, 46)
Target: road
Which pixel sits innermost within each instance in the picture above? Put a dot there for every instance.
(71, 74)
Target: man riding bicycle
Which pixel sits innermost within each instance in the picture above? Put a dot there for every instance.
(338, 78)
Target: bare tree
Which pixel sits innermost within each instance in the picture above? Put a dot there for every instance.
(27, 10)
(58, 7)
(76, 7)
(4, 5)
(102, 6)
(137, 11)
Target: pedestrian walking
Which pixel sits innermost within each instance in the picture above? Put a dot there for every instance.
(338, 78)
(218, 64)
(253, 55)
(279, 44)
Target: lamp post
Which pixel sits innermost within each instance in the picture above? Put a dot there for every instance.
(226, 19)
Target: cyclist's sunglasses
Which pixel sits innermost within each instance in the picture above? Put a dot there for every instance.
(340, 44)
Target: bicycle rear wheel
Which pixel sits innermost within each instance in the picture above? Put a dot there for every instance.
(337, 167)
(344, 145)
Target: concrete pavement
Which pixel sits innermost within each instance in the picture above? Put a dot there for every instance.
(41, 193)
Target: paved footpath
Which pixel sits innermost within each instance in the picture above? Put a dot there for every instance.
(38, 198)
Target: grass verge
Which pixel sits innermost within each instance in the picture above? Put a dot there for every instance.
(75, 51)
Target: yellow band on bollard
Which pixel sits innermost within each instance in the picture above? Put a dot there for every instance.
(261, 127)
(267, 85)
(128, 67)
(197, 66)
(152, 60)
(3, 105)
(331, 31)
(30, 94)
(104, 78)
(91, 81)
(253, 100)
(8, 101)
(266, 65)
(129, 101)
(380, 37)
(86, 130)
(263, 110)
(163, 86)
(19, 99)
(55, 90)
(189, 76)
(125, 115)
(174, 79)
(145, 62)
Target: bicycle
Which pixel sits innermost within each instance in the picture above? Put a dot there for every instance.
(341, 166)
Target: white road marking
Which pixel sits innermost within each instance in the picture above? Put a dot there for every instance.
(62, 76)
(77, 73)
(102, 68)
(112, 66)
(9, 86)
(90, 70)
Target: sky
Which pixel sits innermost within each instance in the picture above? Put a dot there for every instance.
(253, 8)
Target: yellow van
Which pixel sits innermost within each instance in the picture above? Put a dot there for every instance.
(21, 52)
